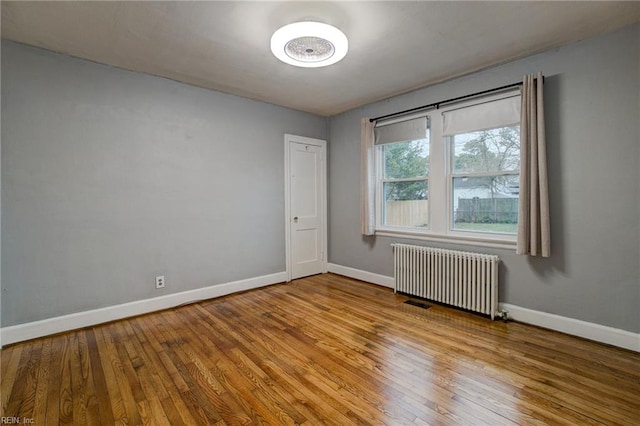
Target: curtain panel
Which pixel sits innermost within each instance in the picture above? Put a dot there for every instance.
(367, 178)
(533, 216)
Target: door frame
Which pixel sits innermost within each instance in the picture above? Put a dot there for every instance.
(288, 139)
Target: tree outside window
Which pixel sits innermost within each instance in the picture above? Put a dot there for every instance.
(405, 183)
(486, 179)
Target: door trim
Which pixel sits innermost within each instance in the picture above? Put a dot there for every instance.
(288, 139)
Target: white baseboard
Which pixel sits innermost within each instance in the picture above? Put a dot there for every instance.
(588, 330)
(599, 333)
(361, 275)
(31, 330)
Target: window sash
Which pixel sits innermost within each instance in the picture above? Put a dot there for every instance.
(381, 214)
(384, 217)
(452, 211)
(451, 142)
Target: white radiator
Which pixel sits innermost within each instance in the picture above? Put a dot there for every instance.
(462, 279)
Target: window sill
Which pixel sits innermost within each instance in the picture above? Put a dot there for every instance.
(500, 243)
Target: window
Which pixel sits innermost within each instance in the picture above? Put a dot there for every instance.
(451, 173)
(403, 174)
(405, 184)
(485, 180)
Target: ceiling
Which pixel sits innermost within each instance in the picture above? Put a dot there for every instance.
(394, 46)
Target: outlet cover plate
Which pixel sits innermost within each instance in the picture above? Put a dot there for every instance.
(160, 281)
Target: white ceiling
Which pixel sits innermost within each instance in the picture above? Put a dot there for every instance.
(395, 46)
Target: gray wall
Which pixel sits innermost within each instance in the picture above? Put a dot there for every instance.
(592, 110)
(110, 178)
(1, 287)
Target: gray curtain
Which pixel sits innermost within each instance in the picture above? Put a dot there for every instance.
(367, 178)
(533, 215)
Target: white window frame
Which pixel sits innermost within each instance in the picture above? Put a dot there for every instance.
(380, 181)
(440, 187)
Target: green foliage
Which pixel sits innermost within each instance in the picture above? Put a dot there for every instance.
(402, 191)
(406, 160)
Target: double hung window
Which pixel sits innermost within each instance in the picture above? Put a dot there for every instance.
(451, 173)
(404, 174)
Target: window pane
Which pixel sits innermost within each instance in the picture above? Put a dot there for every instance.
(406, 159)
(487, 151)
(406, 204)
(486, 204)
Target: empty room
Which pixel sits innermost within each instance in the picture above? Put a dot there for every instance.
(330, 212)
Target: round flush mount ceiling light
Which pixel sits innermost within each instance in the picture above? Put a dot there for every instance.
(309, 44)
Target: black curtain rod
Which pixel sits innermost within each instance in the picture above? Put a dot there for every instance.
(437, 104)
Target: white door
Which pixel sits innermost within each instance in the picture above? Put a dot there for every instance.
(306, 212)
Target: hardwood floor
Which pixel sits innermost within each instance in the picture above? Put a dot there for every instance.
(324, 349)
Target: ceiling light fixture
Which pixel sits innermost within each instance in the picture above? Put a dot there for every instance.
(309, 44)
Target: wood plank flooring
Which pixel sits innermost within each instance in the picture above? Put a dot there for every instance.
(321, 350)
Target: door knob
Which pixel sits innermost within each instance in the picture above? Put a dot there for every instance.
(295, 219)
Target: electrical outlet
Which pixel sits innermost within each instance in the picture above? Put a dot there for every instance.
(160, 281)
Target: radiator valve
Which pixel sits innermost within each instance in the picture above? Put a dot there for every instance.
(503, 314)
